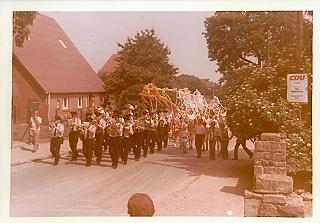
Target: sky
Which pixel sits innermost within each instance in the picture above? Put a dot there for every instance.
(96, 35)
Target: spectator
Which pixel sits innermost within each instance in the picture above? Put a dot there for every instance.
(35, 122)
(140, 204)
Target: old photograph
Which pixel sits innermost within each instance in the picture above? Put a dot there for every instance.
(162, 113)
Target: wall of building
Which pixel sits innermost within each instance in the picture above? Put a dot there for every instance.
(27, 91)
(58, 107)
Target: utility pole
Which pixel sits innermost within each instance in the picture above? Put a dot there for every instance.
(299, 45)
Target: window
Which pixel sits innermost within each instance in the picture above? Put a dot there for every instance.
(87, 101)
(58, 103)
(62, 44)
(65, 103)
(80, 102)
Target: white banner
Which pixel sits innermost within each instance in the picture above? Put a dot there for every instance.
(297, 88)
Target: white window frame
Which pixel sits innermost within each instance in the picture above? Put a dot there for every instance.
(93, 102)
(87, 101)
(80, 102)
(65, 103)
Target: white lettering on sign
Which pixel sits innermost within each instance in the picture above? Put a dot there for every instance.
(297, 88)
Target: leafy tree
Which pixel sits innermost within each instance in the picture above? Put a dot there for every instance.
(21, 23)
(260, 52)
(255, 38)
(142, 59)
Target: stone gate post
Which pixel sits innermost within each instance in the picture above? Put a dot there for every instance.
(272, 188)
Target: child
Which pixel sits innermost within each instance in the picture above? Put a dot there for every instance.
(183, 134)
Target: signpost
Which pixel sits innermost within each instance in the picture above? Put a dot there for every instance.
(297, 88)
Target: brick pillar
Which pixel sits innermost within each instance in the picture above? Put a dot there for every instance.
(272, 192)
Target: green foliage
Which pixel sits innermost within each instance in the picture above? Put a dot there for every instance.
(21, 22)
(143, 59)
(192, 83)
(236, 39)
(260, 52)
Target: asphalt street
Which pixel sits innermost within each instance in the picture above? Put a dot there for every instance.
(179, 184)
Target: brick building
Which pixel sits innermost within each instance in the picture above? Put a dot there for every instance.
(50, 75)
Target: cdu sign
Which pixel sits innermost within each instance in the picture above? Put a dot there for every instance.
(297, 88)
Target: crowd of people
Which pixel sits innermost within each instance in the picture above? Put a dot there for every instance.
(140, 132)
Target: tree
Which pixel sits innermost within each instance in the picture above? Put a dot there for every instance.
(260, 51)
(192, 83)
(255, 38)
(142, 59)
(21, 23)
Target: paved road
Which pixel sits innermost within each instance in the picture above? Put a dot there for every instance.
(179, 184)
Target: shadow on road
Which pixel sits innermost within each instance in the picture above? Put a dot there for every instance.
(242, 169)
(25, 149)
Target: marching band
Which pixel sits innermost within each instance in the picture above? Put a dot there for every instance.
(130, 130)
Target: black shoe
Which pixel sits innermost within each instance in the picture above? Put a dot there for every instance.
(73, 159)
(98, 161)
(235, 159)
(114, 166)
(124, 163)
(88, 164)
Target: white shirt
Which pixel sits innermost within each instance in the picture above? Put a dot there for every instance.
(35, 123)
(57, 131)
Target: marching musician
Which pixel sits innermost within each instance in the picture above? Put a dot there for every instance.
(101, 126)
(115, 133)
(56, 129)
(127, 136)
(147, 133)
(135, 137)
(89, 131)
(140, 128)
(161, 132)
(153, 132)
(75, 126)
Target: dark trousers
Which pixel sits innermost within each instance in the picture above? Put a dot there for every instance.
(136, 146)
(224, 148)
(199, 142)
(244, 147)
(73, 141)
(127, 143)
(150, 140)
(98, 146)
(106, 142)
(55, 144)
(212, 149)
(114, 150)
(141, 144)
(88, 146)
(161, 138)
(165, 139)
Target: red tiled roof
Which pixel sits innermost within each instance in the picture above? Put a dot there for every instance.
(110, 66)
(56, 69)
